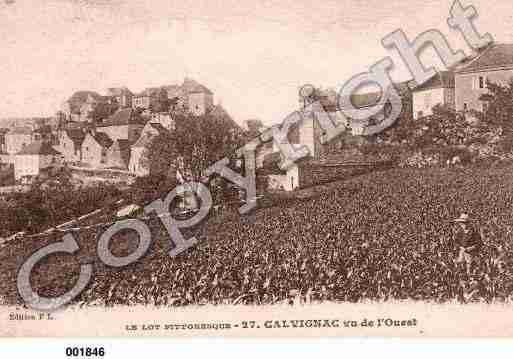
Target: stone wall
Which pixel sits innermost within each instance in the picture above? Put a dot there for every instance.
(312, 174)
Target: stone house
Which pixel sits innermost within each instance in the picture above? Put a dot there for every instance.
(70, 144)
(200, 99)
(17, 138)
(125, 124)
(494, 64)
(86, 106)
(34, 158)
(94, 149)
(139, 164)
(190, 96)
(439, 90)
(267, 157)
(308, 132)
(463, 86)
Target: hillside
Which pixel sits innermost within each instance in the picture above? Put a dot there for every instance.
(385, 235)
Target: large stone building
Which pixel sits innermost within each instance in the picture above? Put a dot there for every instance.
(494, 64)
(190, 96)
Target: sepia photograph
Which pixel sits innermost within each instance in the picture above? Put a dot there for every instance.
(256, 168)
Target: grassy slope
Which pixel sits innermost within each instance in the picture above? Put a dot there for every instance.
(379, 236)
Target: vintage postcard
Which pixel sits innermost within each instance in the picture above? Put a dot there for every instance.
(256, 168)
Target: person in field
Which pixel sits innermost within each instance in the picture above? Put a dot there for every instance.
(469, 241)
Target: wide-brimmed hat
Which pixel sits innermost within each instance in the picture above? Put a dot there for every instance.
(463, 218)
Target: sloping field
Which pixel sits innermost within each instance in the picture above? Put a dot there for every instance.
(381, 236)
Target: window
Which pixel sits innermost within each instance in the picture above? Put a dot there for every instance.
(481, 82)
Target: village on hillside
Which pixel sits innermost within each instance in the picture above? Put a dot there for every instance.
(108, 136)
(101, 135)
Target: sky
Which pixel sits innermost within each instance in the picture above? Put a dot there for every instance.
(254, 55)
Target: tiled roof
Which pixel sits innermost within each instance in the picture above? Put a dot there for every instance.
(77, 136)
(103, 139)
(119, 91)
(443, 79)
(80, 97)
(123, 117)
(173, 91)
(143, 141)
(191, 86)
(495, 56)
(39, 148)
(188, 86)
